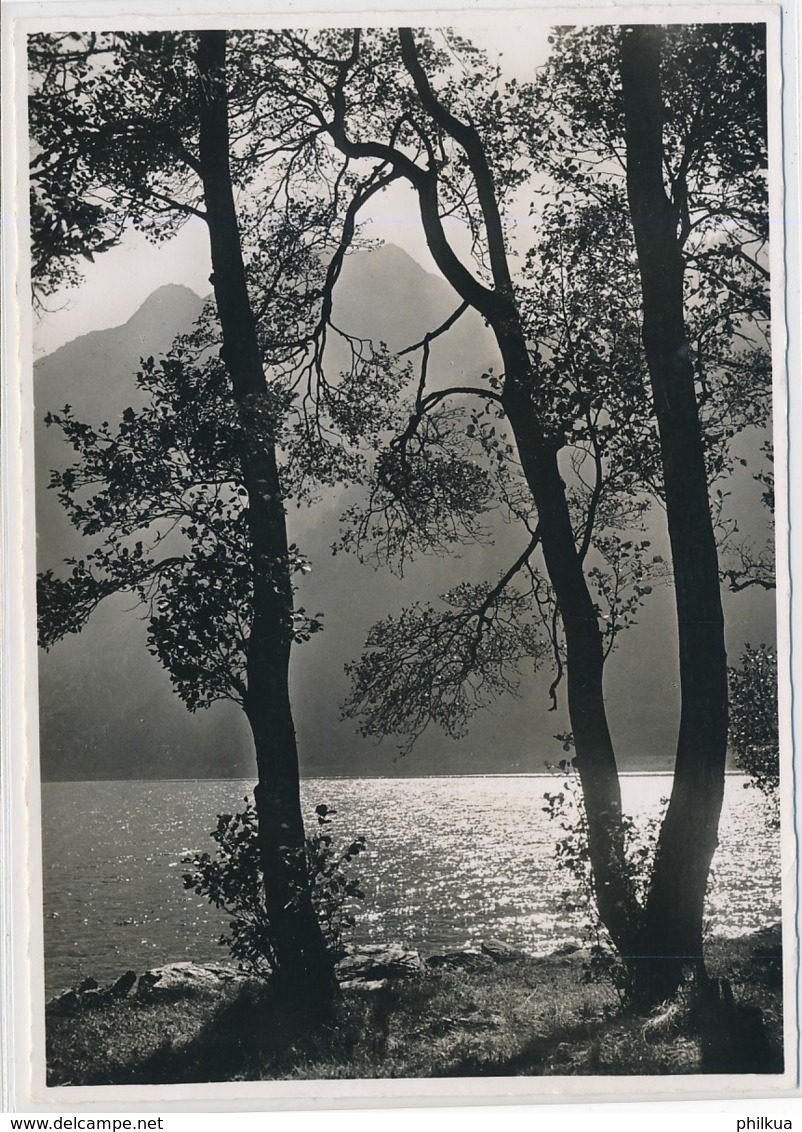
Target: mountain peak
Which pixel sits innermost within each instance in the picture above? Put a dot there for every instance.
(173, 301)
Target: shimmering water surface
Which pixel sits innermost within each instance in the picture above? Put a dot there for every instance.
(451, 861)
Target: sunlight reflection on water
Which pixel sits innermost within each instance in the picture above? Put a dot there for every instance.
(451, 861)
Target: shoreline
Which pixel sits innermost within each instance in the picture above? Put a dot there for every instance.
(568, 947)
(331, 777)
(470, 1013)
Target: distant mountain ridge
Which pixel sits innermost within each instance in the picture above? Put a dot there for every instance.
(150, 329)
(107, 709)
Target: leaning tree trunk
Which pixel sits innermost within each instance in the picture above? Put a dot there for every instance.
(672, 930)
(304, 966)
(595, 755)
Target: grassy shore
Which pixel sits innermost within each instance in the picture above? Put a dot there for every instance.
(529, 1017)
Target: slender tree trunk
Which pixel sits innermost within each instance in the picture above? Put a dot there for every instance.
(673, 917)
(305, 968)
(595, 756)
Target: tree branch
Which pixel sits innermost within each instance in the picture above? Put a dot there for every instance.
(468, 138)
(425, 181)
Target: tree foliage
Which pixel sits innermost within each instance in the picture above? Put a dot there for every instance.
(754, 722)
(565, 808)
(186, 499)
(578, 293)
(162, 501)
(424, 666)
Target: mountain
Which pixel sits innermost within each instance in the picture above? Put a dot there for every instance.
(106, 707)
(94, 374)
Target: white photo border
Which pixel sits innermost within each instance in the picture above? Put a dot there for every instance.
(22, 946)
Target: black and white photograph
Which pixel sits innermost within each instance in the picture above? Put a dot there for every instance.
(413, 654)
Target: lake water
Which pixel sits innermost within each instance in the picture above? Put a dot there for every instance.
(451, 861)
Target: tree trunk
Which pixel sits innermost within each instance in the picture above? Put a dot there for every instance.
(305, 968)
(595, 756)
(672, 929)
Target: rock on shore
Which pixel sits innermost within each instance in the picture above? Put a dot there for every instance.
(366, 967)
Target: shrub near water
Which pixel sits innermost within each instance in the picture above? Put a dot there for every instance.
(232, 880)
(566, 808)
(754, 723)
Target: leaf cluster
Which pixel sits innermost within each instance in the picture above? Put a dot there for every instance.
(111, 117)
(443, 664)
(566, 808)
(429, 491)
(713, 86)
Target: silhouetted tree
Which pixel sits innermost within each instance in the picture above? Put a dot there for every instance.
(661, 219)
(187, 497)
(460, 148)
